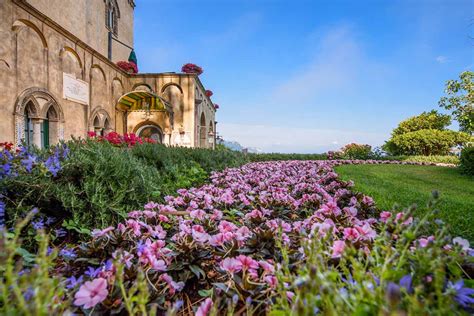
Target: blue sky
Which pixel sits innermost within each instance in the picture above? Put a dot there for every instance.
(309, 76)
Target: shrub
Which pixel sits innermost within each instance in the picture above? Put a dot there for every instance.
(443, 159)
(357, 151)
(467, 160)
(426, 142)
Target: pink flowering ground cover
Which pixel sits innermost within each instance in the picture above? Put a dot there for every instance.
(255, 239)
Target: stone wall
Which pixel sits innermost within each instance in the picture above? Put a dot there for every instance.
(86, 20)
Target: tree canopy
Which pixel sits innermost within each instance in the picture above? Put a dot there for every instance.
(459, 100)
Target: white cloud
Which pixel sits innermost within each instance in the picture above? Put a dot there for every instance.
(284, 139)
(442, 59)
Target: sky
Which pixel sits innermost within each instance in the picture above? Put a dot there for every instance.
(310, 76)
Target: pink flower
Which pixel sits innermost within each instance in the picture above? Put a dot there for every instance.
(226, 226)
(231, 265)
(243, 233)
(331, 208)
(384, 216)
(271, 281)
(199, 234)
(366, 232)
(351, 234)
(204, 308)
(199, 214)
(266, 266)
(174, 286)
(247, 262)
(338, 248)
(367, 200)
(217, 240)
(91, 293)
(98, 233)
(423, 242)
(151, 206)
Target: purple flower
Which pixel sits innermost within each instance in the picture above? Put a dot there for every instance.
(2, 214)
(406, 282)
(60, 232)
(28, 162)
(29, 293)
(67, 253)
(463, 295)
(71, 282)
(53, 165)
(92, 273)
(39, 224)
(50, 220)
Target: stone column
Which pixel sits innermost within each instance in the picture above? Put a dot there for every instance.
(37, 133)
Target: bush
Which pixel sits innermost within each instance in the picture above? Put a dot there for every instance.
(357, 151)
(467, 160)
(426, 142)
(445, 159)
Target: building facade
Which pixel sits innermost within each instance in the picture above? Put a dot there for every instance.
(59, 78)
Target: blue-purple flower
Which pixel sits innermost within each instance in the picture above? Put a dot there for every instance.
(71, 282)
(67, 253)
(463, 295)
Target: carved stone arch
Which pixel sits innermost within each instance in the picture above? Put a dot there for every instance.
(142, 86)
(18, 24)
(98, 67)
(43, 108)
(54, 110)
(31, 95)
(202, 130)
(100, 114)
(171, 84)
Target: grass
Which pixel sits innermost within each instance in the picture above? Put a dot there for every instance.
(406, 185)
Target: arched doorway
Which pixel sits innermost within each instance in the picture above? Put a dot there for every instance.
(151, 131)
(203, 132)
(146, 114)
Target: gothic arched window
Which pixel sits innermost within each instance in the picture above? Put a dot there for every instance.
(112, 14)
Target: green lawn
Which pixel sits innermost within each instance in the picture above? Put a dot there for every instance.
(407, 185)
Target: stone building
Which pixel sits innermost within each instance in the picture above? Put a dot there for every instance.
(59, 78)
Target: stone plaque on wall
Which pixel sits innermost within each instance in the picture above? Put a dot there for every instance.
(75, 90)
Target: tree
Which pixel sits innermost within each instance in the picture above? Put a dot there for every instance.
(425, 134)
(460, 101)
(426, 120)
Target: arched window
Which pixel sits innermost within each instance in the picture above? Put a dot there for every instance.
(45, 132)
(112, 14)
(28, 136)
(203, 132)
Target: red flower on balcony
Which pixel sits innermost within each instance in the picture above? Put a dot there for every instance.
(128, 66)
(216, 106)
(209, 93)
(191, 69)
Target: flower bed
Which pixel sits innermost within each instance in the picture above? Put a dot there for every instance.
(290, 233)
